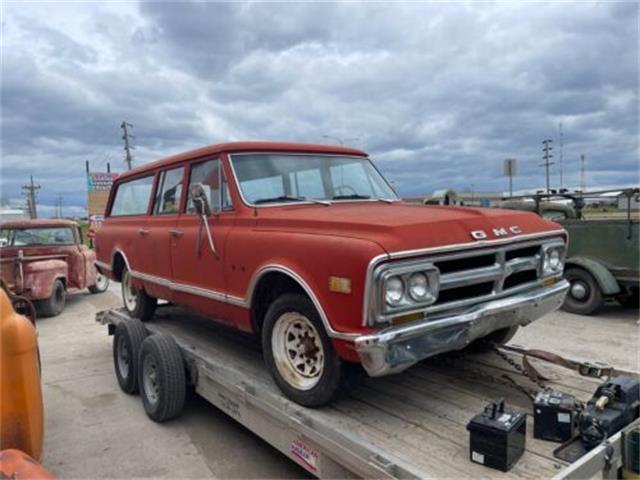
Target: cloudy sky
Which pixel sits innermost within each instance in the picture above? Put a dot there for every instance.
(438, 93)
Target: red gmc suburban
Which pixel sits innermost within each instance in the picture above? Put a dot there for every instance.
(309, 247)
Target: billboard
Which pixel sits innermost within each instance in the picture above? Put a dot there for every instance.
(98, 187)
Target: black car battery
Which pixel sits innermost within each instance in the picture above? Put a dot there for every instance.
(497, 436)
(554, 416)
(615, 404)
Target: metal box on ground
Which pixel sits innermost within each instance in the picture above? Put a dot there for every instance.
(554, 416)
(497, 436)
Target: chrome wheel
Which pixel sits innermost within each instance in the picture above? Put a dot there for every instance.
(150, 380)
(129, 292)
(297, 350)
(102, 282)
(579, 290)
(123, 358)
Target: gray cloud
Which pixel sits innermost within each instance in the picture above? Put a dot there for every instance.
(439, 94)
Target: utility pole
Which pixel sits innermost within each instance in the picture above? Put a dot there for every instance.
(127, 145)
(510, 171)
(561, 134)
(30, 191)
(58, 206)
(547, 157)
(583, 183)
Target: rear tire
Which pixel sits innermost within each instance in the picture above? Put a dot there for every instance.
(584, 296)
(161, 376)
(136, 301)
(53, 305)
(300, 354)
(127, 341)
(497, 338)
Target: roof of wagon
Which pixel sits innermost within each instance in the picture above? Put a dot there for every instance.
(39, 223)
(235, 147)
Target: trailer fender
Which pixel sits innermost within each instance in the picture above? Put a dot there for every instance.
(607, 282)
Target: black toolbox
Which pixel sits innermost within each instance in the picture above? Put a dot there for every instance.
(497, 436)
(554, 416)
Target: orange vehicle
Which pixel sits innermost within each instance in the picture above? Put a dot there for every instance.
(21, 409)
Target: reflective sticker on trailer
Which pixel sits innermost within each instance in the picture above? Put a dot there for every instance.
(305, 454)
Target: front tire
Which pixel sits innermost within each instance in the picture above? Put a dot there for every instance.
(136, 301)
(300, 354)
(584, 296)
(53, 305)
(101, 285)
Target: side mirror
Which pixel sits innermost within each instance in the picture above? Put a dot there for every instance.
(200, 199)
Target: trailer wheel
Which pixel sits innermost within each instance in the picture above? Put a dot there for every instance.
(136, 301)
(101, 285)
(162, 378)
(300, 354)
(127, 340)
(53, 305)
(584, 296)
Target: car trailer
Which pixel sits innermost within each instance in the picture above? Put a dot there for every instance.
(410, 425)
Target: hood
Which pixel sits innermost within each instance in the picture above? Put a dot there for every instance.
(403, 226)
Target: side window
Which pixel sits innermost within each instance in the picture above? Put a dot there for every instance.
(132, 198)
(208, 173)
(168, 192)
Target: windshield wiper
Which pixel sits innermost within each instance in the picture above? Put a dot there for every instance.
(353, 196)
(289, 198)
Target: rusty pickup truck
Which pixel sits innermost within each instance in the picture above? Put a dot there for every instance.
(43, 260)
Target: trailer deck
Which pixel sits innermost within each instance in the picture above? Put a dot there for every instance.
(403, 426)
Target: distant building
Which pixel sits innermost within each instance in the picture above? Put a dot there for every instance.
(12, 213)
(452, 197)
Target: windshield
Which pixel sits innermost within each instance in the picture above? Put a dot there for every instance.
(37, 236)
(277, 178)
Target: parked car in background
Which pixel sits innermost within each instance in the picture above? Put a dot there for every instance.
(43, 260)
(309, 246)
(603, 261)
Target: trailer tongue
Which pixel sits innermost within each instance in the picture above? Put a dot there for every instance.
(412, 425)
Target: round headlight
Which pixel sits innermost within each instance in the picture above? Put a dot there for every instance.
(418, 286)
(554, 260)
(393, 290)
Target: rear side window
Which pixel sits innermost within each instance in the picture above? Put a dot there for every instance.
(169, 192)
(132, 198)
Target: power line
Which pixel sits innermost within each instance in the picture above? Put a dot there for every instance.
(583, 182)
(127, 145)
(30, 191)
(547, 157)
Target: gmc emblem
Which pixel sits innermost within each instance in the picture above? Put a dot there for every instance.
(498, 232)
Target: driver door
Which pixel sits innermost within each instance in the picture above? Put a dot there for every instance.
(198, 272)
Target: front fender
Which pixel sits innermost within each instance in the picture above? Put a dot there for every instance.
(607, 282)
(40, 275)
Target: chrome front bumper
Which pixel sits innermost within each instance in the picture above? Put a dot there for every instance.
(397, 348)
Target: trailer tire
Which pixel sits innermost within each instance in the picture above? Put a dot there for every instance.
(53, 305)
(584, 296)
(127, 340)
(162, 379)
(136, 301)
(296, 347)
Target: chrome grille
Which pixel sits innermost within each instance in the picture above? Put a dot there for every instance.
(503, 270)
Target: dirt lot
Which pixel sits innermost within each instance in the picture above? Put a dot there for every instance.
(95, 430)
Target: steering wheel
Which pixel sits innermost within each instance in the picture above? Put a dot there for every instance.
(337, 190)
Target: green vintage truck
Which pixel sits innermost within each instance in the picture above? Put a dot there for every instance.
(603, 257)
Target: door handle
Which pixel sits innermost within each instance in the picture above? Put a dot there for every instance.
(142, 231)
(175, 233)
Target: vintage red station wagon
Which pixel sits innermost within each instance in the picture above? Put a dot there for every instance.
(309, 247)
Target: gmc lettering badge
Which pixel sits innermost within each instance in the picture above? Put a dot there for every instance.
(498, 232)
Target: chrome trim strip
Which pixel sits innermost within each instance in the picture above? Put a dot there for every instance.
(103, 265)
(517, 241)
